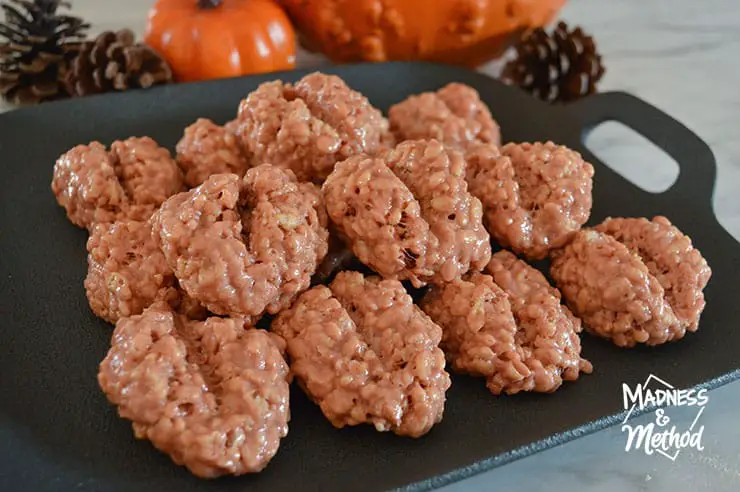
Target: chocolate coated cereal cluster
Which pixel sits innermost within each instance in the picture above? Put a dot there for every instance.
(310, 126)
(509, 326)
(633, 281)
(212, 394)
(407, 214)
(454, 116)
(129, 181)
(366, 354)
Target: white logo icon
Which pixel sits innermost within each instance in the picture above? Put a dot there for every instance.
(660, 435)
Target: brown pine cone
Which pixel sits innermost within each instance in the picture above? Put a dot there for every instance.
(558, 67)
(37, 42)
(115, 62)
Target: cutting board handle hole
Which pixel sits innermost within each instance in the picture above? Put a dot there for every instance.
(632, 156)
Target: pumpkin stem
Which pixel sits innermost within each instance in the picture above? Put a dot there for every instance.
(209, 4)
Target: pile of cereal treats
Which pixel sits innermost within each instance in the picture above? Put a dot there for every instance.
(187, 254)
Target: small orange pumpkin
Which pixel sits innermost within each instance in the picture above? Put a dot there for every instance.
(213, 39)
(466, 32)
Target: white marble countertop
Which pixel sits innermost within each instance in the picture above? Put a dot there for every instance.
(683, 56)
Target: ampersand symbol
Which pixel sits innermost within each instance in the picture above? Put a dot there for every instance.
(660, 418)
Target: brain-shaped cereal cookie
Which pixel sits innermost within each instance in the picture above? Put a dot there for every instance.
(127, 273)
(633, 281)
(213, 395)
(365, 353)
(454, 115)
(244, 246)
(408, 214)
(207, 148)
(535, 195)
(671, 258)
(128, 182)
(612, 290)
(509, 327)
(310, 126)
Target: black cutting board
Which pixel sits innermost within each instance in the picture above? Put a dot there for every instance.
(58, 433)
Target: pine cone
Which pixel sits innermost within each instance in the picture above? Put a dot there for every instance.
(558, 67)
(36, 45)
(115, 62)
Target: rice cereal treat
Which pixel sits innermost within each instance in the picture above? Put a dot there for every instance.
(313, 195)
(535, 195)
(454, 115)
(478, 330)
(408, 214)
(548, 332)
(508, 327)
(128, 182)
(671, 258)
(365, 353)
(212, 394)
(310, 126)
(126, 270)
(243, 246)
(127, 273)
(207, 148)
(612, 290)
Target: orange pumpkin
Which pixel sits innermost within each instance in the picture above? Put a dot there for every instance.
(466, 32)
(212, 39)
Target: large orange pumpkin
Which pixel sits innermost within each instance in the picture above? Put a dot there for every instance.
(211, 39)
(465, 32)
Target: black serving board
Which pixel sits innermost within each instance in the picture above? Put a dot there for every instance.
(58, 433)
